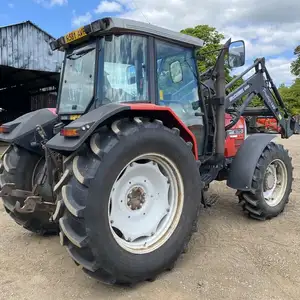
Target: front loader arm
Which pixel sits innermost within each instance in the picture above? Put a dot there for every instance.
(260, 84)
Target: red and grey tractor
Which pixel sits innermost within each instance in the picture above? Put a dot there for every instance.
(120, 168)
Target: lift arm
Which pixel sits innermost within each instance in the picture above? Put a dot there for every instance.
(260, 84)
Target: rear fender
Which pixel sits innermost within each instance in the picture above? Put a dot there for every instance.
(243, 165)
(106, 113)
(170, 119)
(22, 131)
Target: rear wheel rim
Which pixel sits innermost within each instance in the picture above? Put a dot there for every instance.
(145, 203)
(275, 182)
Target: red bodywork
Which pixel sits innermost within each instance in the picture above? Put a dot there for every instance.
(234, 139)
(268, 124)
(235, 136)
(170, 119)
(53, 110)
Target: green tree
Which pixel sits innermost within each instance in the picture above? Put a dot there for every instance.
(210, 50)
(212, 42)
(295, 65)
(291, 96)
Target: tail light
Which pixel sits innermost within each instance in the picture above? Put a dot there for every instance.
(70, 132)
(5, 129)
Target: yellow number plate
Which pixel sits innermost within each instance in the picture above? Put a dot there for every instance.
(75, 35)
(74, 117)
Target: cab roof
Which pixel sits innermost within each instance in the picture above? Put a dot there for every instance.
(119, 25)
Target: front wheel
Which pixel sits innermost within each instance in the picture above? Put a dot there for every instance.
(271, 184)
(132, 203)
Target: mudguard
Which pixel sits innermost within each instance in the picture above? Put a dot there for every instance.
(243, 166)
(22, 131)
(89, 122)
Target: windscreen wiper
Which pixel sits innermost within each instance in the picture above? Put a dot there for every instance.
(80, 53)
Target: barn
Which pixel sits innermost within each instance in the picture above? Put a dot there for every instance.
(29, 70)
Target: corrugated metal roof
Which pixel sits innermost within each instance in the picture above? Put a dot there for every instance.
(29, 22)
(26, 46)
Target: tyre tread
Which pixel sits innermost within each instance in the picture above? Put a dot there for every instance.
(251, 200)
(74, 208)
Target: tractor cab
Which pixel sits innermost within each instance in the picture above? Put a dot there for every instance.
(108, 63)
(123, 61)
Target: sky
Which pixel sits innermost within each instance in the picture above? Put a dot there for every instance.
(270, 28)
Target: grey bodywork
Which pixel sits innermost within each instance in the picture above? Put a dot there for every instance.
(120, 25)
(241, 173)
(260, 84)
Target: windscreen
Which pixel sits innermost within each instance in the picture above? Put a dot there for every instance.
(125, 69)
(78, 79)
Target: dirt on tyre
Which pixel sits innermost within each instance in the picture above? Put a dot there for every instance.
(271, 184)
(131, 201)
(21, 167)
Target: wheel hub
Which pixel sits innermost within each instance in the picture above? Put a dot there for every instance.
(275, 182)
(270, 180)
(136, 198)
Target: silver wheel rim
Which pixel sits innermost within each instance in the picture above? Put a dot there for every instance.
(146, 203)
(275, 182)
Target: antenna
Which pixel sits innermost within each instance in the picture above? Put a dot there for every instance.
(133, 1)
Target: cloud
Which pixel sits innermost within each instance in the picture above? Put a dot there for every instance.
(51, 3)
(78, 21)
(58, 2)
(108, 7)
(270, 27)
(279, 69)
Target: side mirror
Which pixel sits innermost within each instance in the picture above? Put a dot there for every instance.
(176, 71)
(236, 54)
(131, 75)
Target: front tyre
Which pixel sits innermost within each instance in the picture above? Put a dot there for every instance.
(271, 184)
(131, 203)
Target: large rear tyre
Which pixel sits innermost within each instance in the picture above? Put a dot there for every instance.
(22, 167)
(271, 184)
(131, 202)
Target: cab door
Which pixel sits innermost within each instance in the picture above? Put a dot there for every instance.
(177, 86)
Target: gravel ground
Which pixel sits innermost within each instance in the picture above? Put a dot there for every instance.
(231, 257)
